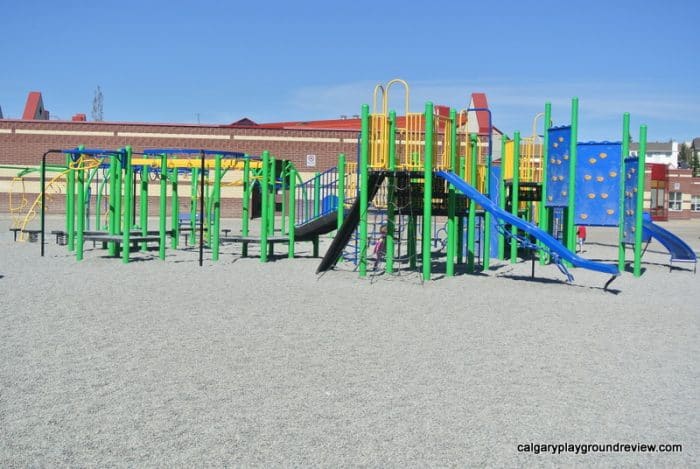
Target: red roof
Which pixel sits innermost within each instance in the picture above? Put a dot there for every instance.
(34, 109)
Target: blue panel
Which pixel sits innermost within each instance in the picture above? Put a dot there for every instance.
(630, 205)
(558, 167)
(598, 183)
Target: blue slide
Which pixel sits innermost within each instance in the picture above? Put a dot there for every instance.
(545, 238)
(679, 249)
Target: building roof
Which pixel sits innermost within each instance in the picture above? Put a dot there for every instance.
(478, 101)
(696, 143)
(34, 108)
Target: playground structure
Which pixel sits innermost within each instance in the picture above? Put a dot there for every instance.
(274, 184)
(413, 174)
(434, 156)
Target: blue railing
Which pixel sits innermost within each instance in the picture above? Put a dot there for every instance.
(317, 197)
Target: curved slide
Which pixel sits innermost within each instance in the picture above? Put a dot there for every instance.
(545, 238)
(679, 249)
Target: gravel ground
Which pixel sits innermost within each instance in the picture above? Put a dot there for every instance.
(242, 363)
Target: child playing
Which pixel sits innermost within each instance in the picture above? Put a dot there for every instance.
(380, 247)
(580, 237)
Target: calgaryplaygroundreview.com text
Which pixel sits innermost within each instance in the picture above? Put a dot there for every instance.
(585, 448)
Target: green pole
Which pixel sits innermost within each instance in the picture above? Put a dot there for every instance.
(216, 202)
(317, 194)
(621, 216)
(341, 189)
(391, 197)
(70, 204)
(118, 199)
(462, 162)
(283, 197)
(272, 204)
(292, 209)
(128, 206)
(486, 243)
(80, 228)
(571, 209)
(245, 204)
(163, 203)
(193, 205)
(112, 215)
(544, 211)
(502, 197)
(451, 221)
(364, 190)
(175, 208)
(515, 196)
(471, 222)
(143, 205)
(639, 210)
(98, 203)
(428, 190)
(265, 212)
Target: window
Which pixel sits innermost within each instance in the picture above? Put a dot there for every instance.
(695, 203)
(674, 200)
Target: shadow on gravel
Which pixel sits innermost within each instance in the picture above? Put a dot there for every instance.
(527, 278)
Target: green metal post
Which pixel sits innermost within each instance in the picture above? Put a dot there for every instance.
(462, 162)
(143, 205)
(621, 261)
(112, 215)
(451, 220)
(163, 203)
(118, 192)
(292, 209)
(283, 197)
(245, 206)
(571, 209)
(502, 197)
(175, 208)
(272, 181)
(486, 240)
(216, 203)
(427, 191)
(364, 190)
(391, 197)
(317, 194)
(515, 196)
(341, 189)
(639, 210)
(544, 211)
(80, 215)
(70, 204)
(265, 212)
(471, 222)
(193, 205)
(128, 205)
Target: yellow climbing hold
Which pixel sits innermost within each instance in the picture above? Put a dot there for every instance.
(610, 211)
(603, 155)
(561, 139)
(555, 144)
(563, 193)
(587, 177)
(550, 198)
(600, 179)
(561, 178)
(584, 216)
(555, 178)
(566, 157)
(613, 174)
(592, 160)
(603, 195)
(553, 160)
(591, 195)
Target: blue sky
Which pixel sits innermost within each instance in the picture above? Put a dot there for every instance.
(172, 61)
